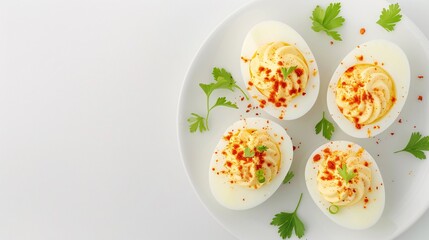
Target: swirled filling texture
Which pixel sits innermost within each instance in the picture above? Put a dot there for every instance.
(242, 169)
(365, 93)
(331, 184)
(267, 76)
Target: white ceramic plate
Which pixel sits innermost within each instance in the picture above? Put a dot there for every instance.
(405, 177)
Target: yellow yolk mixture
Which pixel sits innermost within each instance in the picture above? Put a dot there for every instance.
(268, 77)
(365, 93)
(252, 158)
(333, 187)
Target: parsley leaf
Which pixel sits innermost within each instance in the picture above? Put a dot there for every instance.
(389, 17)
(288, 177)
(346, 175)
(260, 175)
(287, 71)
(416, 145)
(287, 222)
(222, 80)
(326, 127)
(225, 80)
(328, 20)
(248, 153)
(262, 148)
(196, 122)
(223, 102)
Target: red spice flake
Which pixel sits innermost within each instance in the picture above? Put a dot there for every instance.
(350, 146)
(316, 157)
(420, 76)
(366, 164)
(242, 99)
(393, 99)
(280, 63)
(250, 83)
(360, 58)
(332, 42)
(261, 69)
(362, 31)
(420, 98)
(400, 121)
(304, 93)
(392, 133)
(366, 200)
(213, 169)
(299, 72)
(327, 150)
(331, 165)
(375, 63)
(228, 163)
(350, 69)
(370, 189)
(294, 148)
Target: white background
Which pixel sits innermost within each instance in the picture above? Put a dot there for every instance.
(88, 103)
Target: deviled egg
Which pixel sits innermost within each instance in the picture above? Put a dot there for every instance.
(369, 88)
(249, 163)
(346, 184)
(279, 70)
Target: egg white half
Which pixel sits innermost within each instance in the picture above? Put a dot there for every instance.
(273, 31)
(355, 216)
(237, 197)
(390, 57)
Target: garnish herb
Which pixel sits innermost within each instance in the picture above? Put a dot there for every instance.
(346, 175)
(262, 148)
(287, 222)
(326, 127)
(333, 209)
(288, 177)
(287, 71)
(416, 145)
(328, 20)
(223, 80)
(389, 17)
(248, 153)
(260, 176)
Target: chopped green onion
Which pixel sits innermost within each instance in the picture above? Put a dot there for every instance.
(333, 209)
(260, 176)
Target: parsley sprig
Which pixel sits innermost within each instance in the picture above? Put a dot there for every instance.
(327, 20)
(326, 127)
(287, 222)
(416, 145)
(345, 174)
(390, 17)
(222, 80)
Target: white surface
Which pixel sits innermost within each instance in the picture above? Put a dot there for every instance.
(89, 93)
